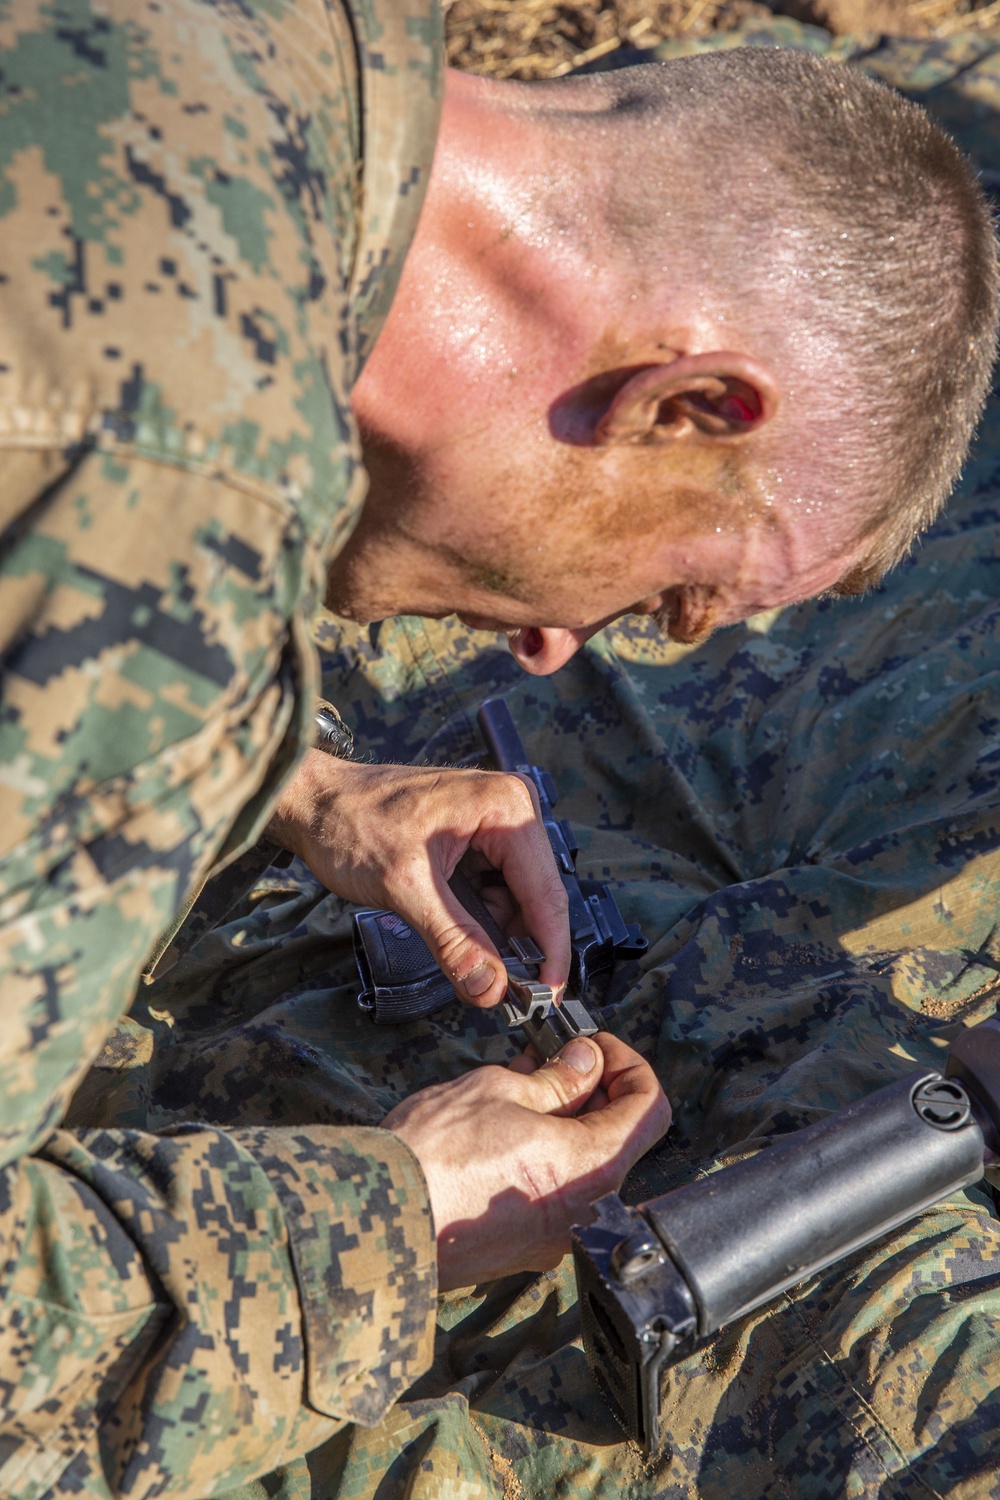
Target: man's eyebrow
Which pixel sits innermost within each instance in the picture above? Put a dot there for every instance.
(661, 619)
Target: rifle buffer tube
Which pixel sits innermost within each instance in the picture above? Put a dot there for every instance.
(656, 1280)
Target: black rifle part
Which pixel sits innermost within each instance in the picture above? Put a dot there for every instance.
(529, 1006)
(598, 932)
(974, 1059)
(657, 1280)
(400, 980)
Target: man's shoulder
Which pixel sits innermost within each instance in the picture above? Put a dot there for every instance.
(197, 205)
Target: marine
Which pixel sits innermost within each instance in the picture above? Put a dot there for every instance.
(218, 1263)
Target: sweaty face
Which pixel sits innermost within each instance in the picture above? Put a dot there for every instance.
(493, 494)
(549, 553)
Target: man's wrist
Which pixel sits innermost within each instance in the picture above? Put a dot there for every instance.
(304, 805)
(307, 795)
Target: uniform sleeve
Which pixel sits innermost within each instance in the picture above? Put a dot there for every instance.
(179, 207)
(228, 886)
(174, 1311)
(181, 1312)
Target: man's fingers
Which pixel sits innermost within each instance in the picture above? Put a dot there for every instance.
(562, 1085)
(507, 1177)
(601, 1076)
(626, 1072)
(637, 1113)
(529, 868)
(597, 1100)
(458, 944)
(400, 833)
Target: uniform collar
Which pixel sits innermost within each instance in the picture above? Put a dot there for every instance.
(400, 50)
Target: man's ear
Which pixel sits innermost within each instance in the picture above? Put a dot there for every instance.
(720, 394)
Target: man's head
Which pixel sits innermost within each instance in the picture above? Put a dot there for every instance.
(700, 338)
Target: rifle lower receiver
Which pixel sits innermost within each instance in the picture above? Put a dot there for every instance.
(402, 981)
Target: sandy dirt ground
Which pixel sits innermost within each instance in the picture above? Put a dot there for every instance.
(546, 38)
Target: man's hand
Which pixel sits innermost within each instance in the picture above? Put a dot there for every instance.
(392, 836)
(514, 1156)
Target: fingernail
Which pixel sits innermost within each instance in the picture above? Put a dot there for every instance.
(479, 979)
(579, 1056)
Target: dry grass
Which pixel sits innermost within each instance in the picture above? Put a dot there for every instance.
(547, 38)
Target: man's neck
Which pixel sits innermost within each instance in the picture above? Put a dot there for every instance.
(514, 265)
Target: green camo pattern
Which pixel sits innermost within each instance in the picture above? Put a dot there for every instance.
(803, 814)
(204, 209)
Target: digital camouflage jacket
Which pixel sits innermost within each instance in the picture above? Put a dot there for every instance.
(204, 208)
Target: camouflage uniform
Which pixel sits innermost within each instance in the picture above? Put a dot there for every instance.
(804, 814)
(203, 214)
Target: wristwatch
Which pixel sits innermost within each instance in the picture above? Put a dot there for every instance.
(332, 734)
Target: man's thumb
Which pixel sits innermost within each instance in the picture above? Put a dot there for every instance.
(561, 1085)
(462, 949)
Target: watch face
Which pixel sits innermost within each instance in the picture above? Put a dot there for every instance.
(332, 734)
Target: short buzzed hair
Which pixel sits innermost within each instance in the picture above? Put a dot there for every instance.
(818, 192)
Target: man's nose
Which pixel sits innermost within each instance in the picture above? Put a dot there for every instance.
(541, 649)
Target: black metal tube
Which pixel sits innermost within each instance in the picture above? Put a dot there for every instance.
(744, 1234)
